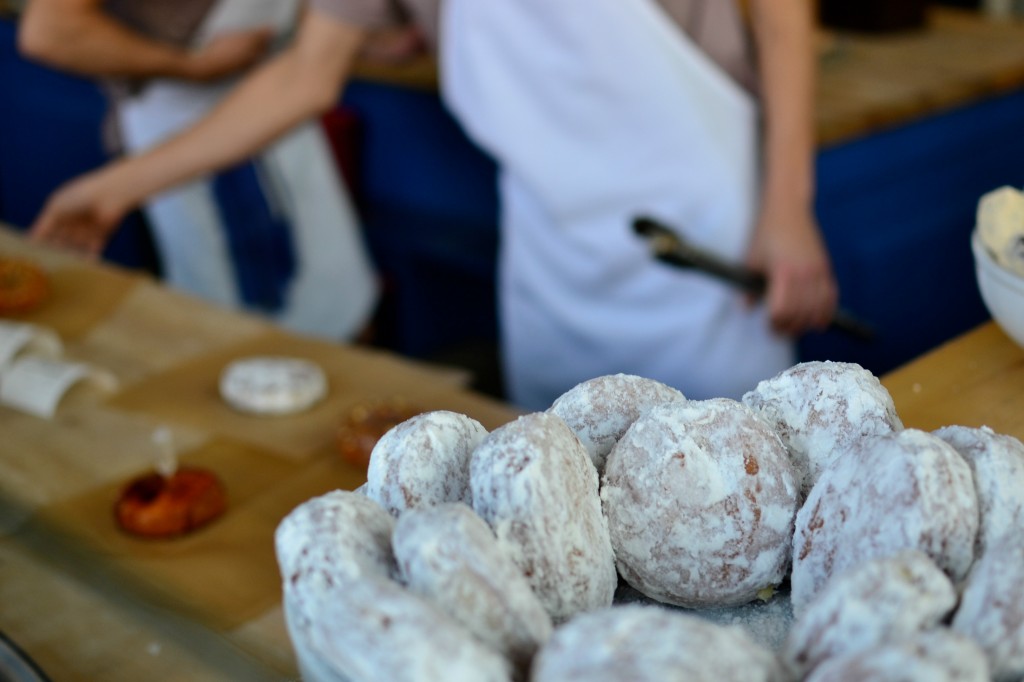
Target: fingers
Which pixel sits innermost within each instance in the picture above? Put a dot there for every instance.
(67, 230)
(801, 301)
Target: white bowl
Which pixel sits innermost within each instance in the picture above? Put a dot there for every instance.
(1001, 290)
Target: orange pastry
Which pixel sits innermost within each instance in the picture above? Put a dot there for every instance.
(23, 286)
(157, 506)
(363, 426)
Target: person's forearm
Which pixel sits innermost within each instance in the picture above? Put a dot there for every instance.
(301, 82)
(76, 35)
(784, 32)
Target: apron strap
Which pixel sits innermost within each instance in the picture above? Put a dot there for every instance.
(259, 237)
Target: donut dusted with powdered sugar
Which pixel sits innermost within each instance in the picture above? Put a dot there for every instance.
(991, 609)
(537, 488)
(934, 656)
(424, 461)
(906, 490)
(600, 410)
(878, 601)
(821, 410)
(700, 498)
(325, 546)
(332, 538)
(449, 555)
(997, 462)
(652, 644)
(376, 630)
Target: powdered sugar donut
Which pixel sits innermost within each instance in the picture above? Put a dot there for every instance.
(651, 644)
(450, 556)
(878, 601)
(822, 409)
(933, 656)
(991, 610)
(700, 499)
(906, 490)
(600, 410)
(324, 547)
(272, 385)
(336, 537)
(997, 462)
(424, 461)
(534, 484)
(375, 630)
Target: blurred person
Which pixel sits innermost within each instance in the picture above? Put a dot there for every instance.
(683, 110)
(597, 111)
(274, 233)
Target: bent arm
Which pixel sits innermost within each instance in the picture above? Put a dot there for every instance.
(80, 37)
(784, 32)
(787, 244)
(302, 81)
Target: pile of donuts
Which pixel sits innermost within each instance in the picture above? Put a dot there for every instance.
(495, 556)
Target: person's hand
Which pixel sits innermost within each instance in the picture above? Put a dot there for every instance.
(802, 292)
(228, 53)
(81, 216)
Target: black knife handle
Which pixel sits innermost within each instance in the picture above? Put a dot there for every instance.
(668, 247)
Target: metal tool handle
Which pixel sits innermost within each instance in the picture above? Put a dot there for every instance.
(668, 247)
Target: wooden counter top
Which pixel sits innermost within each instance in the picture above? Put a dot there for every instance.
(89, 602)
(974, 380)
(868, 83)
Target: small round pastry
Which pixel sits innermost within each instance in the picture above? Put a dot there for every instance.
(364, 425)
(375, 629)
(991, 611)
(997, 462)
(23, 286)
(651, 644)
(906, 490)
(878, 601)
(158, 506)
(821, 410)
(700, 499)
(601, 409)
(448, 555)
(934, 656)
(272, 385)
(537, 488)
(348, 618)
(424, 461)
(334, 539)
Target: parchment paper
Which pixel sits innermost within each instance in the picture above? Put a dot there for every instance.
(189, 394)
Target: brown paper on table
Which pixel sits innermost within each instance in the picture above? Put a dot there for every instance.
(189, 394)
(223, 574)
(80, 297)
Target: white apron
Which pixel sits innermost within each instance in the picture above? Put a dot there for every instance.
(598, 111)
(328, 287)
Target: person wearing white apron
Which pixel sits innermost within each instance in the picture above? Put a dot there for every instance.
(597, 111)
(600, 111)
(276, 234)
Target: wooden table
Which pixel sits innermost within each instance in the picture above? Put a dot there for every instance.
(975, 380)
(869, 83)
(74, 594)
(88, 602)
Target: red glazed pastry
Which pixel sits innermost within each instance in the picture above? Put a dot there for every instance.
(23, 286)
(157, 506)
